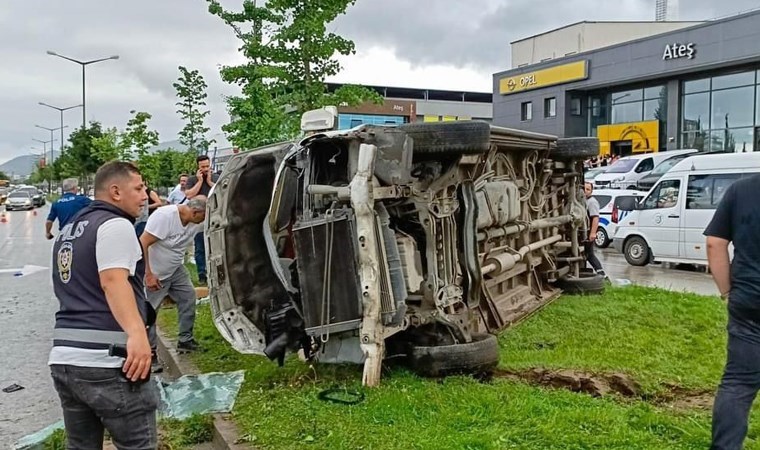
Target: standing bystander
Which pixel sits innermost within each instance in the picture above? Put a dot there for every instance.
(177, 196)
(201, 184)
(592, 210)
(166, 236)
(736, 221)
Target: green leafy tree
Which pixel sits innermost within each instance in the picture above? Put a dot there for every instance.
(3, 176)
(191, 91)
(111, 146)
(80, 159)
(289, 53)
(40, 174)
(138, 137)
(162, 168)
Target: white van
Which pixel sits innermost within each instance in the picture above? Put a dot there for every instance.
(667, 225)
(608, 199)
(627, 171)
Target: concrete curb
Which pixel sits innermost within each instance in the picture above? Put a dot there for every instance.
(226, 434)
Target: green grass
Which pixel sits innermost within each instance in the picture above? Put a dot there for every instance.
(173, 434)
(193, 272)
(658, 337)
(655, 336)
(180, 434)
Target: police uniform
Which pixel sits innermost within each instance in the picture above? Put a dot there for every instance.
(93, 390)
(66, 208)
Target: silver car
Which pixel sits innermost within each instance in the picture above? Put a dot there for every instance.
(419, 242)
(19, 200)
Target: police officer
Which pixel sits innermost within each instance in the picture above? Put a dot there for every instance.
(66, 207)
(98, 280)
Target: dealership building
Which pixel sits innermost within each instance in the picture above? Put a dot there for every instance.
(405, 105)
(638, 86)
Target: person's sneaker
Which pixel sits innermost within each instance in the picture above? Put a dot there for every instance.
(603, 274)
(202, 281)
(155, 365)
(188, 346)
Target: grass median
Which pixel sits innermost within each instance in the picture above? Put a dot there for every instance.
(666, 342)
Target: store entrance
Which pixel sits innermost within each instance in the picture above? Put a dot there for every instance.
(621, 148)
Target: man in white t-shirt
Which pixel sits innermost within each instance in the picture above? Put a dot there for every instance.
(167, 234)
(177, 195)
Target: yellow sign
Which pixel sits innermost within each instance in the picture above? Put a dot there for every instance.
(564, 73)
(643, 136)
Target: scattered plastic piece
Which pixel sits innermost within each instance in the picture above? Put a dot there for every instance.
(622, 282)
(200, 394)
(13, 388)
(203, 300)
(36, 441)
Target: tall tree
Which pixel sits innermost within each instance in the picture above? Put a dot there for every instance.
(191, 91)
(111, 146)
(3, 176)
(80, 159)
(138, 137)
(289, 53)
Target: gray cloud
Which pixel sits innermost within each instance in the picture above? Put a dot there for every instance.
(154, 37)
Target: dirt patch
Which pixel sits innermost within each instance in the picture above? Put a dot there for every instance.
(577, 381)
(603, 385)
(677, 397)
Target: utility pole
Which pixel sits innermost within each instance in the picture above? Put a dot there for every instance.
(61, 110)
(84, 65)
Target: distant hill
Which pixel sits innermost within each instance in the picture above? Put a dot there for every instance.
(21, 166)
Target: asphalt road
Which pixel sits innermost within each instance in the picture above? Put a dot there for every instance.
(27, 309)
(674, 278)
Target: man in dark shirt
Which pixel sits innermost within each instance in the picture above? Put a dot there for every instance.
(66, 207)
(736, 221)
(201, 184)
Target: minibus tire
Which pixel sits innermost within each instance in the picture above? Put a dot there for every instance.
(576, 148)
(588, 283)
(636, 251)
(449, 138)
(479, 356)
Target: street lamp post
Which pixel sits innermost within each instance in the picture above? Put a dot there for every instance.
(84, 64)
(44, 151)
(51, 130)
(61, 110)
(52, 139)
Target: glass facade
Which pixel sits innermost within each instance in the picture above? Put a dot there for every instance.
(348, 121)
(720, 113)
(632, 105)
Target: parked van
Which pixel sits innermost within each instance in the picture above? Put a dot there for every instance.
(608, 200)
(627, 171)
(667, 225)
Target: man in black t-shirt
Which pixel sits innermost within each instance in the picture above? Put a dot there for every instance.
(201, 184)
(737, 221)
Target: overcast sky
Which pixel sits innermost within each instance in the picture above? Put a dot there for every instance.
(442, 44)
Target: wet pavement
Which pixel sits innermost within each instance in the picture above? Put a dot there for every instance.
(675, 278)
(27, 308)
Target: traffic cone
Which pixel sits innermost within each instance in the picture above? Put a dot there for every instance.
(2, 218)
(34, 212)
